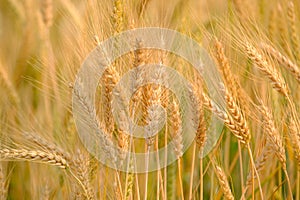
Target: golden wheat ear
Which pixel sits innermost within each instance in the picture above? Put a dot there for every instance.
(283, 60)
(223, 182)
(268, 69)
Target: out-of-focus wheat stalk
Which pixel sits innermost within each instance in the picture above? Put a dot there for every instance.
(293, 31)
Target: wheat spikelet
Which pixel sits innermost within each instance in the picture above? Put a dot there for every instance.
(292, 25)
(273, 136)
(283, 60)
(77, 193)
(262, 64)
(34, 156)
(224, 185)
(47, 12)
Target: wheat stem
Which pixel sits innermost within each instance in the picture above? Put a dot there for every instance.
(192, 171)
(255, 171)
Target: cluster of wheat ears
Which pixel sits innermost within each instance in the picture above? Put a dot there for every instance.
(255, 47)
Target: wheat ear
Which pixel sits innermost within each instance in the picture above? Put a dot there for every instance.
(82, 169)
(110, 78)
(273, 136)
(230, 79)
(176, 135)
(224, 185)
(176, 128)
(34, 156)
(283, 60)
(225, 117)
(260, 163)
(244, 132)
(42, 142)
(269, 70)
(239, 119)
(276, 141)
(235, 129)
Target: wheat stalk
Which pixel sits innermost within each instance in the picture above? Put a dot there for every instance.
(283, 31)
(3, 187)
(176, 134)
(292, 25)
(272, 25)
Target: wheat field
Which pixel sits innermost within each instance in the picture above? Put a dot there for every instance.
(253, 152)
